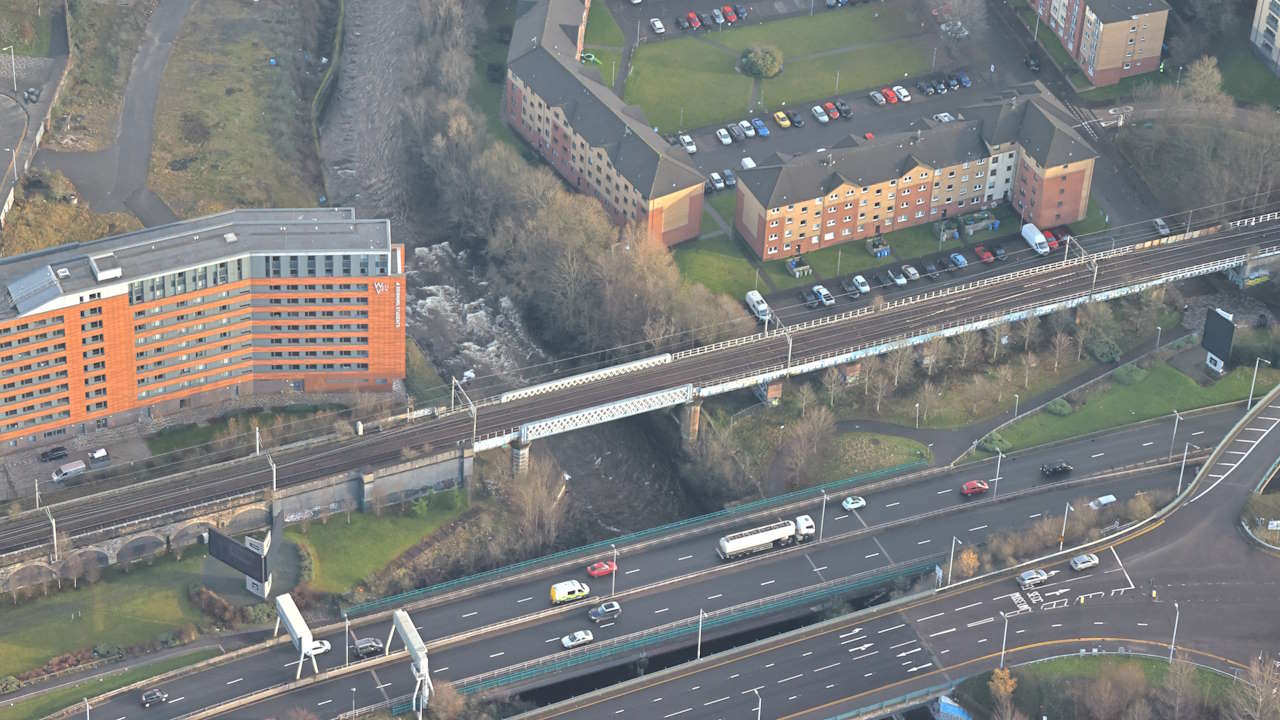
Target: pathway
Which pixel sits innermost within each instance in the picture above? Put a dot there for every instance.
(116, 178)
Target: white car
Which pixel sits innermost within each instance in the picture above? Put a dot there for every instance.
(1084, 562)
(723, 136)
(686, 142)
(902, 93)
(861, 283)
(944, 117)
(911, 272)
(717, 182)
(824, 296)
(576, 638)
(820, 115)
(747, 128)
(319, 647)
(747, 163)
(656, 24)
(853, 502)
(898, 278)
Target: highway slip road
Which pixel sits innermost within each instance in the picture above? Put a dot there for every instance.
(1224, 588)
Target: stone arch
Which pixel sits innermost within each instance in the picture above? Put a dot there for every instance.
(247, 519)
(189, 534)
(141, 546)
(30, 573)
(87, 558)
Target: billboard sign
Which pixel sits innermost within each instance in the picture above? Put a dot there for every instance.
(238, 556)
(1219, 333)
(287, 612)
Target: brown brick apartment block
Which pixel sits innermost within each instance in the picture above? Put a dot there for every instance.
(1022, 149)
(96, 334)
(597, 143)
(1109, 39)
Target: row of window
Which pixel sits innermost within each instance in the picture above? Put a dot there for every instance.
(191, 330)
(30, 394)
(187, 317)
(185, 357)
(34, 380)
(31, 325)
(36, 407)
(188, 302)
(43, 419)
(192, 382)
(27, 340)
(186, 344)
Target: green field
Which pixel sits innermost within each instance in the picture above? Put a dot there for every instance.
(491, 48)
(121, 609)
(851, 453)
(689, 75)
(719, 262)
(806, 80)
(31, 32)
(805, 34)
(62, 697)
(1162, 391)
(1094, 221)
(602, 29)
(345, 554)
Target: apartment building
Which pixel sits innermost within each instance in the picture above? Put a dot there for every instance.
(101, 333)
(597, 143)
(1266, 23)
(1109, 39)
(1022, 150)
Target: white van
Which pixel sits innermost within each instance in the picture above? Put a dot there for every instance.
(99, 458)
(569, 590)
(1035, 239)
(1102, 502)
(757, 306)
(69, 470)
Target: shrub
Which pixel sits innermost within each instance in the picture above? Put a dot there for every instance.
(1059, 407)
(1130, 374)
(306, 564)
(260, 614)
(1102, 348)
(763, 61)
(993, 442)
(446, 501)
(9, 683)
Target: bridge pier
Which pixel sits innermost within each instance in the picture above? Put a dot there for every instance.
(690, 419)
(520, 457)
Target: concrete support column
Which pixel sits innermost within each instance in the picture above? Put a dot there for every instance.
(520, 457)
(690, 419)
(368, 485)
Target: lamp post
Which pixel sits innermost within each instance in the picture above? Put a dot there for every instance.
(996, 481)
(346, 638)
(951, 563)
(613, 576)
(14, 153)
(822, 519)
(1254, 382)
(1016, 400)
(37, 481)
(353, 702)
(1176, 418)
(272, 463)
(1062, 537)
(13, 67)
(1182, 469)
(1158, 330)
(700, 615)
(1174, 641)
(257, 441)
(1003, 637)
(759, 702)
(917, 416)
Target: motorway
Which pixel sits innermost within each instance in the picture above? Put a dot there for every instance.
(1223, 587)
(707, 368)
(707, 583)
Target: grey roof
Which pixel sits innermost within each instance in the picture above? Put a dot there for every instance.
(35, 278)
(1116, 10)
(543, 54)
(1038, 123)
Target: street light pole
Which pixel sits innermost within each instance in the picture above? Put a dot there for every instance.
(53, 524)
(346, 638)
(1176, 418)
(353, 702)
(14, 153)
(1016, 400)
(1003, 637)
(1158, 331)
(917, 416)
(700, 614)
(613, 576)
(272, 463)
(822, 519)
(1174, 640)
(257, 441)
(1062, 537)
(996, 482)
(1254, 382)
(1182, 469)
(951, 563)
(13, 67)
(37, 481)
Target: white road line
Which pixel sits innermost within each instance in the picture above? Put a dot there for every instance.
(901, 644)
(793, 677)
(1268, 419)
(944, 491)
(868, 675)
(1198, 432)
(1019, 632)
(1116, 555)
(982, 641)
(807, 654)
(684, 557)
(605, 625)
(1097, 455)
(930, 617)
(976, 529)
(323, 702)
(524, 599)
(500, 653)
(1142, 624)
(820, 569)
(717, 595)
(1056, 625)
(925, 542)
(1149, 443)
(868, 557)
(548, 640)
(441, 669)
(717, 700)
(379, 687)
(943, 652)
(233, 682)
(970, 605)
(770, 665)
(1236, 452)
(893, 504)
(895, 627)
(1098, 622)
(976, 623)
(1231, 466)
(767, 582)
(826, 667)
(828, 687)
(473, 612)
(619, 711)
(632, 570)
(866, 655)
(656, 612)
(1033, 517)
(678, 712)
(734, 676)
(942, 632)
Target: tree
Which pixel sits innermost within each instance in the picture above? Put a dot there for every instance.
(1139, 709)
(1028, 362)
(300, 714)
(966, 563)
(762, 61)
(15, 509)
(446, 702)
(968, 344)
(1027, 331)
(806, 397)
(1257, 695)
(1202, 81)
(1002, 684)
(898, 360)
(1180, 695)
(808, 435)
(926, 393)
(834, 385)
(997, 332)
(1061, 343)
(880, 388)
(936, 349)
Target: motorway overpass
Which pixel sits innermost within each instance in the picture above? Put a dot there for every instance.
(977, 297)
(507, 622)
(1218, 587)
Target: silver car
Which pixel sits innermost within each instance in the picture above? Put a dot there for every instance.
(576, 638)
(876, 97)
(1084, 561)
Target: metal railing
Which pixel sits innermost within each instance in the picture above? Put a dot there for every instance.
(914, 696)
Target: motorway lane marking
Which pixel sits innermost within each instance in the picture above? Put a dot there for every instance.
(943, 652)
(895, 627)
(619, 711)
(920, 667)
(233, 682)
(606, 625)
(500, 653)
(473, 612)
(441, 669)
(381, 685)
(976, 529)
(1149, 443)
(657, 699)
(1142, 624)
(894, 504)
(524, 599)
(930, 617)
(180, 699)
(656, 612)
(734, 676)
(943, 632)
(633, 570)
(1098, 622)
(901, 644)
(1097, 455)
(976, 623)
(819, 569)
(1019, 632)
(912, 651)
(717, 595)
(866, 655)
(717, 700)
(684, 557)
(807, 654)
(1237, 452)
(1198, 432)
(695, 687)
(827, 667)
(970, 605)
(793, 677)
(1268, 419)
(1231, 466)
(678, 712)
(1056, 625)
(323, 702)
(854, 631)
(840, 517)
(828, 687)
(868, 675)
(548, 640)
(924, 542)
(771, 664)
(868, 557)
(944, 491)
(767, 582)
(982, 641)
(1032, 517)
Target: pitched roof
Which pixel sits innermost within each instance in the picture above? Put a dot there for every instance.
(543, 54)
(1109, 11)
(1038, 123)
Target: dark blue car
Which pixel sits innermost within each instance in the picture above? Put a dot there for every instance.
(963, 77)
(762, 130)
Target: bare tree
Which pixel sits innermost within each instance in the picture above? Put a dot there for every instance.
(1139, 709)
(534, 498)
(898, 360)
(997, 334)
(968, 343)
(1257, 695)
(880, 388)
(72, 569)
(834, 385)
(1180, 695)
(15, 509)
(1004, 375)
(1061, 343)
(1028, 362)
(806, 438)
(1027, 331)
(298, 713)
(936, 349)
(446, 702)
(806, 396)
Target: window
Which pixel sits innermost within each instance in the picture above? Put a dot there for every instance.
(773, 250)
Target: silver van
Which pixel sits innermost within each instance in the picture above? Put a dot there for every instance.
(1102, 502)
(69, 470)
(758, 307)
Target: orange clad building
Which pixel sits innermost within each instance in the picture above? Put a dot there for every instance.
(101, 333)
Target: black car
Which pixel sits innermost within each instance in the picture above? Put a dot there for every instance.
(683, 23)
(953, 82)
(940, 86)
(931, 269)
(797, 120)
(53, 453)
(368, 647)
(154, 697)
(741, 10)
(925, 88)
(999, 250)
(1032, 63)
(1055, 469)
(810, 299)
(707, 22)
(944, 263)
(730, 180)
(850, 288)
(846, 112)
(737, 133)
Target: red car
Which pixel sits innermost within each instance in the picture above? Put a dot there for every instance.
(603, 568)
(1050, 238)
(889, 95)
(694, 22)
(729, 14)
(983, 254)
(974, 487)
(832, 112)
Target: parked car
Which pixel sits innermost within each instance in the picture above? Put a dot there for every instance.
(657, 26)
(963, 78)
(831, 110)
(925, 87)
(810, 298)
(576, 638)
(1001, 255)
(1032, 63)
(889, 95)
(611, 610)
(931, 269)
(1084, 561)
(683, 23)
(723, 136)
(910, 272)
(1031, 578)
(819, 114)
(851, 289)
(897, 277)
(797, 120)
(974, 487)
(747, 163)
(944, 117)
(715, 181)
(846, 111)
(1162, 227)
(953, 82)
(958, 260)
(1055, 469)
(53, 453)
(738, 133)
(694, 21)
(861, 283)
(824, 295)
(686, 142)
(782, 120)
(984, 254)
(853, 502)
(1050, 239)
(730, 180)
(902, 93)
(154, 696)
(729, 14)
(747, 128)
(762, 130)
(604, 568)
(941, 87)
(876, 97)
(717, 15)
(707, 22)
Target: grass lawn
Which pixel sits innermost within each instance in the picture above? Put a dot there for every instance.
(804, 35)
(602, 29)
(423, 382)
(725, 203)
(1128, 86)
(609, 59)
(687, 70)
(39, 222)
(346, 554)
(709, 226)
(857, 452)
(66, 696)
(28, 33)
(1163, 390)
(120, 609)
(1093, 221)
(490, 49)
(105, 37)
(807, 80)
(1244, 76)
(231, 129)
(719, 262)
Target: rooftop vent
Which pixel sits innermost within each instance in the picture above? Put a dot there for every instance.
(230, 237)
(63, 273)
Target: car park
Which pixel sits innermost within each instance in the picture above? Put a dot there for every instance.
(797, 120)
(729, 14)
(897, 277)
(1050, 239)
(1055, 469)
(1162, 227)
(604, 568)
(717, 182)
(974, 487)
(694, 21)
(723, 136)
(657, 26)
(707, 22)
(879, 280)
(782, 120)
(853, 502)
(1032, 63)
(686, 142)
(876, 97)
(611, 610)
(717, 15)
(730, 180)
(762, 130)
(824, 295)
(984, 254)
(810, 298)
(367, 647)
(831, 110)
(910, 272)
(902, 93)
(953, 82)
(944, 263)
(819, 114)
(861, 283)
(154, 696)
(53, 453)
(576, 638)
(958, 260)
(931, 269)
(999, 250)
(850, 288)
(747, 128)
(846, 111)
(738, 133)
(1084, 561)
(925, 87)
(889, 95)
(941, 87)
(1031, 578)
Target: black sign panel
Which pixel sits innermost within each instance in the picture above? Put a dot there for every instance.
(237, 556)
(1219, 332)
